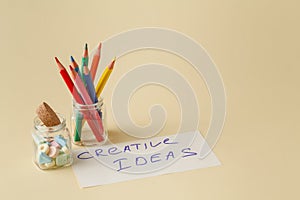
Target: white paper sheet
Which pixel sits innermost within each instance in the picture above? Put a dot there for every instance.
(143, 158)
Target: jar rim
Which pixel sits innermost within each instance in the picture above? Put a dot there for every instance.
(88, 106)
(39, 125)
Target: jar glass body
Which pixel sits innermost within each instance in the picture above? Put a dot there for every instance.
(88, 124)
(52, 145)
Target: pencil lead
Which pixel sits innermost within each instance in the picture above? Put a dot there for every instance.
(56, 59)
(86, 54)
(111, 66)
(72, 67)
(72, 59)
(99, 48)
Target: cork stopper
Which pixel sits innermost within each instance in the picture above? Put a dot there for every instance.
(47, 115)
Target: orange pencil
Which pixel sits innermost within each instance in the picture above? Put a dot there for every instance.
(95, 62)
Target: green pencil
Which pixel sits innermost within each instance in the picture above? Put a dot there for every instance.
(84, 62)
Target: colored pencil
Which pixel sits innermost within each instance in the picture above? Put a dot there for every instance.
(73, 73)
(95, 62)
(79, 121)
(87, 100)
(103, 79)
(81, 88)
(63, 72)
(76, 95)
(74, 64)
(84, 61)
(90, 88)
(78, 115)
(89, 84)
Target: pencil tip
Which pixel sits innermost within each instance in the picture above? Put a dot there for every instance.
(86, 54)
(72, 59)
(111, 66)
(99, 45)
(73, 72)
(60, 66)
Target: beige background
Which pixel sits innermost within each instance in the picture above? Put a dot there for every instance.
(255, 45)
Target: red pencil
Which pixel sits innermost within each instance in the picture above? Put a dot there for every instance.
(63, 72)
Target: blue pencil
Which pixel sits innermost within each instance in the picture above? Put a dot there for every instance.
(89, 84)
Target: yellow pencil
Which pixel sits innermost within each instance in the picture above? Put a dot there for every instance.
(103, 79)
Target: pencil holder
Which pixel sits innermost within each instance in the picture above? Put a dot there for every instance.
(88, 124)
(52, 146)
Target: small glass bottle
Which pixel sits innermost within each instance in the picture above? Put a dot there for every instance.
(88, 124)
(52, 146)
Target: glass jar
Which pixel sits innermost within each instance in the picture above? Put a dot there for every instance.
(52, 146)
(88, 124)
